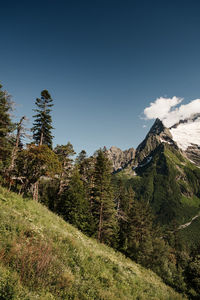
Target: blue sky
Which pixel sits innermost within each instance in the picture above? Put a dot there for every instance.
(103, 61)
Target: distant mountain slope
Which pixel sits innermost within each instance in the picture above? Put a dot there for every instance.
(186, 134)
(42, 257)
(120, 158)
(162, 174)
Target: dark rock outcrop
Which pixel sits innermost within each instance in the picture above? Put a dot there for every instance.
(120, 158)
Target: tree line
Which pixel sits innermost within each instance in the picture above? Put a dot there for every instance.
(85, 193)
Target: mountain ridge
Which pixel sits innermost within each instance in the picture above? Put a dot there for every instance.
(157, 134)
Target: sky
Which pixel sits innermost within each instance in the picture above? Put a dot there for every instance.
(104, 63)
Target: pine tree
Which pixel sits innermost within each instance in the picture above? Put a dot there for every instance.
(74, 205)
(125, 199)
(6, 127)
(42, 125)
(86, 169)
(104, 207)
(64, 153)
(141, 232)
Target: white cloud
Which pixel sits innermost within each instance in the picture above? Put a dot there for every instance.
(170, 111)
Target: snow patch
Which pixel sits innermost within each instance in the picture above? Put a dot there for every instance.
(163, 141)
(186, 134)
(142, 165)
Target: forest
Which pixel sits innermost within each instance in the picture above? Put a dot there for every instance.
(83, 190)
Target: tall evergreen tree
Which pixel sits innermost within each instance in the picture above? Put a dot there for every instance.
(124, 200)
(104, 207)
(64, 153)
(74, 206)
(141, 232)
(6, 127)
(42, 125)
(86, 169)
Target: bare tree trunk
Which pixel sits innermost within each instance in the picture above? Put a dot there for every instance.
(41, 139)
(118, 207)
(35, 191)
(61, 185)
(100, 223)
(14, 151)
(42, 133)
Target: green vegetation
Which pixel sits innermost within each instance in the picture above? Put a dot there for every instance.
(138, 211)
(6, 128)
(169, 184)
(42, 125)
(42, 257)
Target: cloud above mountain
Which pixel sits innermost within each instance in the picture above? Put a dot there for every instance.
(170, 110)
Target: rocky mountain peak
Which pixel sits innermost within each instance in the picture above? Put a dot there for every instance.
(157, 134)
(157, 127)
(120, 158)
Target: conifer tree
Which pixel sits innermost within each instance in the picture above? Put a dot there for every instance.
(86, 169)
(42, 125)
(6, 127)
(104, 207)
(141, 232)
(64, 153)
(125, 199)
(74, 205)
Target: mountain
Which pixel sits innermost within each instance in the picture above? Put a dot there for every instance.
(158, 134)
(43, 257)
(168, 177)
(186, 133)
(120, 158)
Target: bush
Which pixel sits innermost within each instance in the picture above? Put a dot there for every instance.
(8, 285)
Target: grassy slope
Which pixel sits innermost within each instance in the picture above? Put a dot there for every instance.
(43, 257)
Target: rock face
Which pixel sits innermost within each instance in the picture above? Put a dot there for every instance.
(183, 136)
(158, 134)
(193, 153)
(120, 158)
(186, 133)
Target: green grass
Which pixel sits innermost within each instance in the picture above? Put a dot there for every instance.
(192, 201)
(190, 234)
(43, 257)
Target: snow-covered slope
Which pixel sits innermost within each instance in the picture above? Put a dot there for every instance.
(187, 133)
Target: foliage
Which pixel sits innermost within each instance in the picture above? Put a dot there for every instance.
(48, 192)
(73, 266)
(42, 125)
(6, 128)
(103, 203)
(36, 161)
(74, 206)
(193, 275)
(64, 153)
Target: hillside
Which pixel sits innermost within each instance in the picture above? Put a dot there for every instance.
(43, 257)
(171, 184)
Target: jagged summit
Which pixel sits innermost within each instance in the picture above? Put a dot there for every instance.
(157, 134)
(120, 158)
(191, 119)
(157, 127)
(183, 136)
